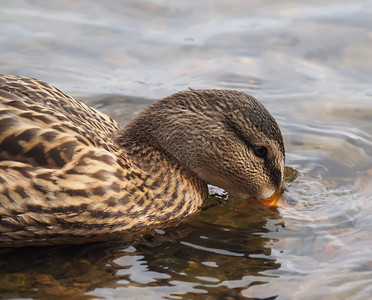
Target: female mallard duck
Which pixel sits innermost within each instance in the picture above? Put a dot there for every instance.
(69, 171)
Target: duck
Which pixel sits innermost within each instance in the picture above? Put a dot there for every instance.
(68, 171)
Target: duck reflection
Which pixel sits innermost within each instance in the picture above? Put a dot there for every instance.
(209, 254)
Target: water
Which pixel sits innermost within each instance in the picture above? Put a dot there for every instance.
(310, 64)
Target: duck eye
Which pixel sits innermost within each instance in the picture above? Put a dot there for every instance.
(260, 151)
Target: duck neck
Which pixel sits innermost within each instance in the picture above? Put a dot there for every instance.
(174, 191)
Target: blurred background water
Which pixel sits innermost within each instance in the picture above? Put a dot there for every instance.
(310, 63)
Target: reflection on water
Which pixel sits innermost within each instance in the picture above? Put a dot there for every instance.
(206, 256)
(309, 63)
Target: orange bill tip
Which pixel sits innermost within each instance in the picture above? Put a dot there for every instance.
(273, 200)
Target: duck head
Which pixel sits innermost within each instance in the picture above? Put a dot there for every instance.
(226, 137)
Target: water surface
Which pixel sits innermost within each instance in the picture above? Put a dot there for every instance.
(310, 63)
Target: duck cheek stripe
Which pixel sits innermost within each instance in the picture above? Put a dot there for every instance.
(273, 172)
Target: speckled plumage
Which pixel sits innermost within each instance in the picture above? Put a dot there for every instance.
(68, 171)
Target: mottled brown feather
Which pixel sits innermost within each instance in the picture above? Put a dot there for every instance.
(68, 171)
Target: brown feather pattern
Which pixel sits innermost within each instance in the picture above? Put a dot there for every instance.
(69, 172)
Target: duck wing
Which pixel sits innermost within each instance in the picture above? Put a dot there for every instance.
(61, 172)
(43, 126)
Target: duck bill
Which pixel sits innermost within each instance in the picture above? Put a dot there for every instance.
(274, 198)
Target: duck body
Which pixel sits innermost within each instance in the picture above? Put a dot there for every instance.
(68, 171)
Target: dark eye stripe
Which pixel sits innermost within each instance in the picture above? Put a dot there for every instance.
(274, 173)
(270, 167)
